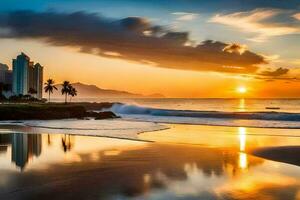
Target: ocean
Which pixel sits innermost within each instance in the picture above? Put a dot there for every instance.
(206, 104)
(264, 113)
(259, 113)
(203, 149)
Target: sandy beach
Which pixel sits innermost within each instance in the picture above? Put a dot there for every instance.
(189, 161)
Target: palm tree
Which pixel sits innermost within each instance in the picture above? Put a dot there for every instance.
(73, 92)
(65, 90)
(49, 87)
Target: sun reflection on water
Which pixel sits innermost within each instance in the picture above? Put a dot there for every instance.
(242, 105)
(242, 138)
(243, 160)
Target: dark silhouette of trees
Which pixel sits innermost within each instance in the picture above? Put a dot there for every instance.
(67, 89)
(73, 92)
(49, 87)
(32, 91)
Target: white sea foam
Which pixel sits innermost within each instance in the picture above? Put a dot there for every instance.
(116, 128)
(219, 118)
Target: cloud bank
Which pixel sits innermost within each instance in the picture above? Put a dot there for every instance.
(132, 38)
(259, 22)
(278, 72)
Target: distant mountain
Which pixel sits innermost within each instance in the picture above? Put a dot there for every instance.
(92, 91)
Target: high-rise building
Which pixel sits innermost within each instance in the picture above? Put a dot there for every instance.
(21, 74)
(3, 69)
(27, 76)
(8, 77)
(5, 74)
(38, 80)
(31, 76)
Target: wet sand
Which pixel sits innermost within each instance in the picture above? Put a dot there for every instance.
(286, 154)
(210, 163)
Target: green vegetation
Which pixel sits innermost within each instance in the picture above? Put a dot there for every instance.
(53, 111)
(39, 111)
(26, 107)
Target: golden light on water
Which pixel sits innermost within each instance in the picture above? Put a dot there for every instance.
(243, 160)
(242, 106)
(242, 137)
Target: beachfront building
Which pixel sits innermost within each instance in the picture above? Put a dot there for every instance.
(38, 80)
(21, 74)
(27, 76)
(5, 74)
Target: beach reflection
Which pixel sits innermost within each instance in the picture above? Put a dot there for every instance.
(237, 138)
(78, 167)
(243, 159)
(23, 147)
(242, 105)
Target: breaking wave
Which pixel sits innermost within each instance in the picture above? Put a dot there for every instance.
(138, 110)
(248, 119)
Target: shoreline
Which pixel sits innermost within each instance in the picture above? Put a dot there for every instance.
(38, 111)
(283, 154)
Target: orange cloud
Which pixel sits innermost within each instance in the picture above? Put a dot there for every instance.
(297, 16)
(126, 39)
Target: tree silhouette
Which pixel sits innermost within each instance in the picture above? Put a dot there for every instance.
(32, 91)
(73, 92)
(49, 87)
(65, 90)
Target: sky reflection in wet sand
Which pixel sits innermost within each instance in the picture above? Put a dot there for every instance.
(67, 166)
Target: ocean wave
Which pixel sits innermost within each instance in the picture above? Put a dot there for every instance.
(139, 110)
(280, 120)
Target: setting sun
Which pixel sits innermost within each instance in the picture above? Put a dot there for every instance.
(241, 90)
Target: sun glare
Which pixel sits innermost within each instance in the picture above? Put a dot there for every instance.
(241, 90)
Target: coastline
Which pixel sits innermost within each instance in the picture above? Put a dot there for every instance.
(81, 110)
(285, 154)
(208, 153)
(39, 111)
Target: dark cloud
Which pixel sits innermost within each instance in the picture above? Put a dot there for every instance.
(235, 48)
(278, 72)
(132, 38)
(135, 23)
(277, 78)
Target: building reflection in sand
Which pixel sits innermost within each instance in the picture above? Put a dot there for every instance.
(23, 147)
(26, 146)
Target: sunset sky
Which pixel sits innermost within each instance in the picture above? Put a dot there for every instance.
(178, 48)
